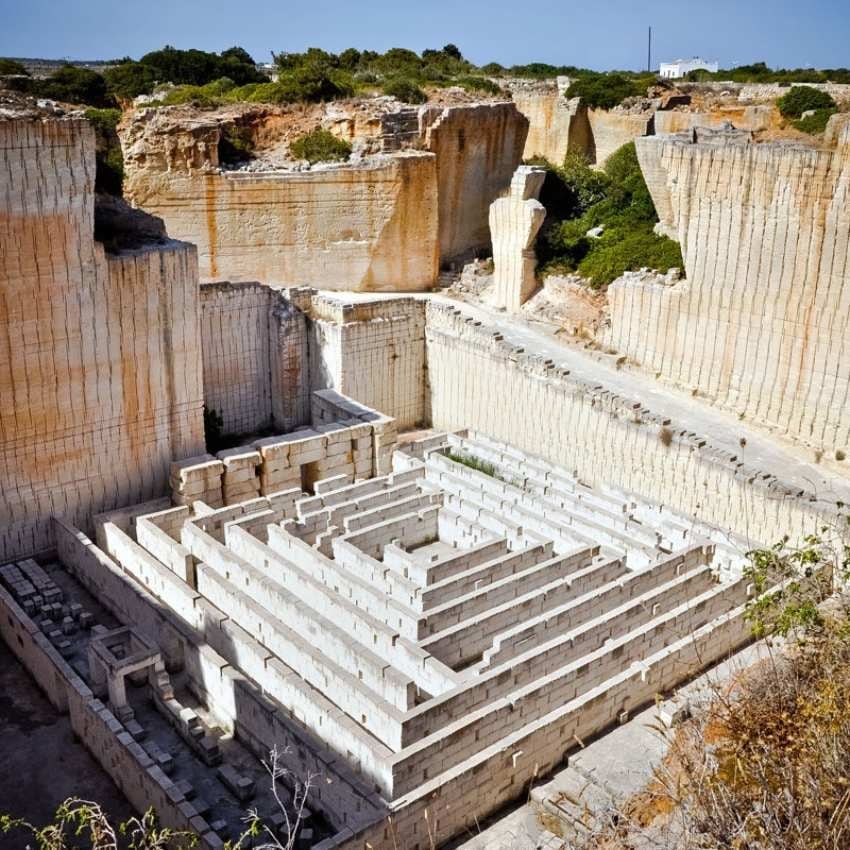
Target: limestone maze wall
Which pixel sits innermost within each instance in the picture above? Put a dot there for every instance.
(472, 626)
(362, 227)
(760, 325)
(478, 149)
(479, 381)
(100, 380)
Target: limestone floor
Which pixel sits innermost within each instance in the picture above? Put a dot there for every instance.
(42, 763)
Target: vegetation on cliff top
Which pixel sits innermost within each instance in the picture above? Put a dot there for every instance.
(615, 199)
(12, 66)
(808, 108)
(759, 72)
(320, 146)
(109, 160)
(605, 91)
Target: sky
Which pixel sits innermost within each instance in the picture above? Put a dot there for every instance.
(601, 34)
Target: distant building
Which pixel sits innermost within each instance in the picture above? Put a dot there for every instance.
(680, 67)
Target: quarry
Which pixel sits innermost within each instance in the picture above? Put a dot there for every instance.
(297, 458)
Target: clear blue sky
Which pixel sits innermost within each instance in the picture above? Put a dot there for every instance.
(591, 33)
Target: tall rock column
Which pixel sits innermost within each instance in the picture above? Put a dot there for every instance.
(514, 223)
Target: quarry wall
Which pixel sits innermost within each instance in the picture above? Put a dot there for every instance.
(480, 381)
(266, 349)
(362, 227)
(756, 117)
(374, 353)
(610, 130)
(555, 124)
(477, 150)
(103, 385)
(255, 354)
(760, 325)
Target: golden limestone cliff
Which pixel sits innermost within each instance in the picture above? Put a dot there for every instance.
(414, 194)
(103, 386)
(367, 226)
(761, 324)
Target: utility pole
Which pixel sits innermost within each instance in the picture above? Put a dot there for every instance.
(649, 52)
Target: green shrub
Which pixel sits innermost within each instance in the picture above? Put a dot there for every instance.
(70, 85)
(198, 67)
(816, 122)
(195, 68)
(129, 79)
(803, 98)
(320, 146)
(579, 198)
(482, 84)
(621, 250)
(12, 66)
(404, 89)
(311, 83)
(493, 69)
(235, 145)
(605, 91)
(109, 160)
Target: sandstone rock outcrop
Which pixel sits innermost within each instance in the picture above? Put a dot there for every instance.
(761, 325)
(100, 381)
(756, 118)
(514, 223)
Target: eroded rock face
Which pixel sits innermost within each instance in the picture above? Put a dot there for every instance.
(100, 384)
(382, 221)
(477, 149)
(761, 325)
(514, 223)
(556, 125)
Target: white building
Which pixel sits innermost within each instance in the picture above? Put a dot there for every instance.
(678, 68)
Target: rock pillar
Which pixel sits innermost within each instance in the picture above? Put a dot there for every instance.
(514, 222)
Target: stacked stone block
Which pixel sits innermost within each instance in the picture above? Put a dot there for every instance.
(197, 479)
(240, 481)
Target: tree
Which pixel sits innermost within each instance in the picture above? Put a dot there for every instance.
(350, 58)
(453, 51)
(9, 67)
(802, 99)
(129, 79)
(74, 85)
(238, 54)
(604, 91)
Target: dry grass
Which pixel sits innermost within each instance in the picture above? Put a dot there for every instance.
(768, 766)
